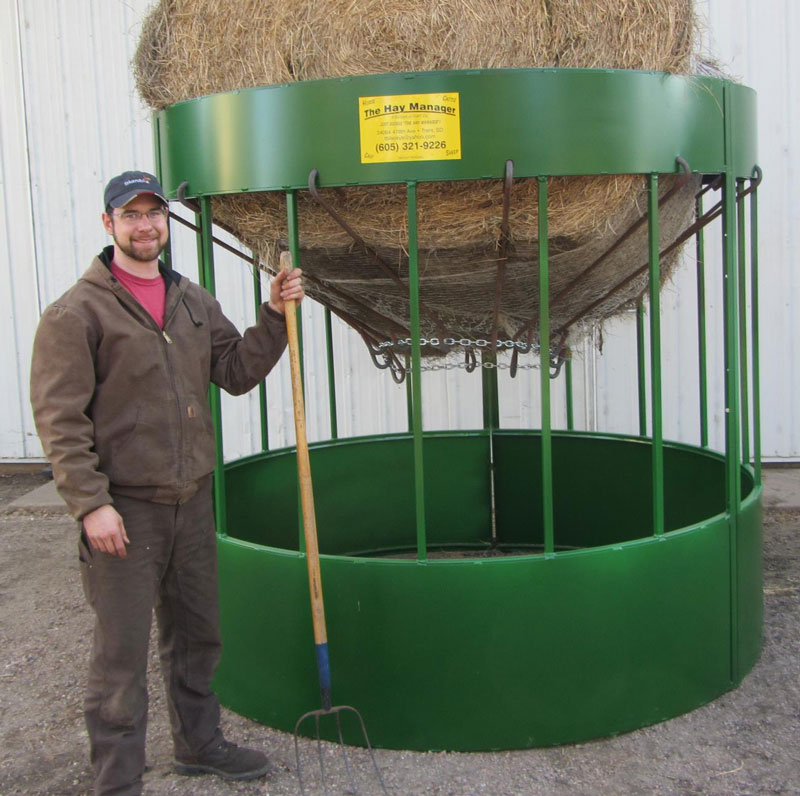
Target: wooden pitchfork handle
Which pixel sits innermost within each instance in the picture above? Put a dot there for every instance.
(307, 498)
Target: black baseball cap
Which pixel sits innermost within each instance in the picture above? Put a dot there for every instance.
(130, 184)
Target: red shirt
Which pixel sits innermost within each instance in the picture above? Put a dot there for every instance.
(150, 293)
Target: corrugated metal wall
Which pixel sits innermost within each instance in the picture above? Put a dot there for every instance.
(70, 116)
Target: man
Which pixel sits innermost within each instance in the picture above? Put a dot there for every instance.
(121, 366)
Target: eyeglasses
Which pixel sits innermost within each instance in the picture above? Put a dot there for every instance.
(134, 216)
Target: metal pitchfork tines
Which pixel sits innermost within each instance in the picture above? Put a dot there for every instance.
(334, 711)
(314, 579)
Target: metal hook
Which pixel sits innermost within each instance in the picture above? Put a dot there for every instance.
(375, 353)
(557, 361)
(182, 188)
(470, 360)
(757, 177)
(396, 368)
(686, 171)
(512, 369)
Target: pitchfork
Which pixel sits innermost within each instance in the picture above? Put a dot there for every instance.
(314, 580)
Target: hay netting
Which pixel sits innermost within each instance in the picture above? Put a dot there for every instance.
(191, 48)
(591, 276)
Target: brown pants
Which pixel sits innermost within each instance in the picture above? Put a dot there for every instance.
(171, 567)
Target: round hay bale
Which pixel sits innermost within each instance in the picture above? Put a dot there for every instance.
(191, 48)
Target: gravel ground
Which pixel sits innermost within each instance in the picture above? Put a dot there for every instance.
(746, 742)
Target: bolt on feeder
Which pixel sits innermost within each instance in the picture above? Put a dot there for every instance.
(574, 584)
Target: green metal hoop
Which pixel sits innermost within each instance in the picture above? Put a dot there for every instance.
(548, 121)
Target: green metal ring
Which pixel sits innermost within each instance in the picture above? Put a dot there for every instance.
(548, 121)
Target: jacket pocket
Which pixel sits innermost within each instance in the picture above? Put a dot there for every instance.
(200, 442)
(143, 452)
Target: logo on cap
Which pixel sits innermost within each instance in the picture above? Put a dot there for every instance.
(128, 185)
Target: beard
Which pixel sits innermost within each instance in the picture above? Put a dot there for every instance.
(143, 250)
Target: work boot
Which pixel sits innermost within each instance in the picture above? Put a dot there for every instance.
(228, 761)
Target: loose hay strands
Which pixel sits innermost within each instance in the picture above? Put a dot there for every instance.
(451, 215)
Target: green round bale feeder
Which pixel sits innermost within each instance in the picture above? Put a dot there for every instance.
(634, 592)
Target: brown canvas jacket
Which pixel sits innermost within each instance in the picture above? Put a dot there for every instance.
(122, 406)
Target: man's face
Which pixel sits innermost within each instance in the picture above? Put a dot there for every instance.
(142, 239)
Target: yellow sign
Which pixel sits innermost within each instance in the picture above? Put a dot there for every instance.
(410, 127)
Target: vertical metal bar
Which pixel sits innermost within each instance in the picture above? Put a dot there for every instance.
(156, 128)
(655, 354)
(754, 320)
(570, 400)
(491, 421)
(544, 369)
(331, 375)
(733, 482)
(702, 341)
(641, 375)
(294, 249)
(166, 255)
(744, 389)
(416, 370)
(489, 391)
(409, 395)
(262, 386)
(205, 254)
(732, 457)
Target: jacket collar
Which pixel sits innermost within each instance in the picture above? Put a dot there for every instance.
(170, 275)
(99, 274)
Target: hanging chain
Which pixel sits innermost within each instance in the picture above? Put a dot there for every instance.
(468, 368)
(465, 342)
